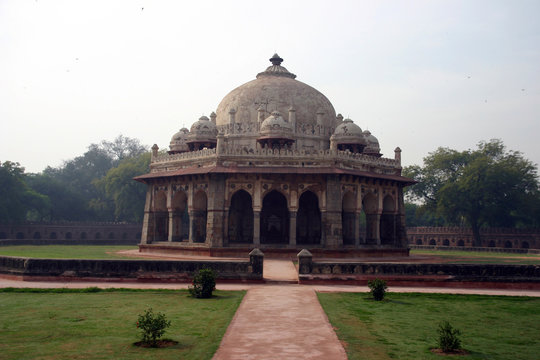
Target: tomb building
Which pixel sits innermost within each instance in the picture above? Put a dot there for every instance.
(275, 168)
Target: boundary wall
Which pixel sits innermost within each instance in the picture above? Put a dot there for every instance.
(70, 233)
(463, 237)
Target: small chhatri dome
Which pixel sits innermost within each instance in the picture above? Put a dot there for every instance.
(276, 132)
(349, 136)
(348, 128)
(202, 134)
(372, 147)
(275, 124)
(178, 142)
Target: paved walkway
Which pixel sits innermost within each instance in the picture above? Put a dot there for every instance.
(280, 322)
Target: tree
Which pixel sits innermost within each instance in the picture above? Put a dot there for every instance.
(16, 198)
(64, 202)
(121, 148)
(489, 186)
(127, 195)
(73, 186)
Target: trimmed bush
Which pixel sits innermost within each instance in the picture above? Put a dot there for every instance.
(152, 326)
(204, 282)
(448, 337)
(377, 288)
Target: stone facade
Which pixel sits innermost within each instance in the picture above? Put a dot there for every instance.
(463, 237)
(274, 167)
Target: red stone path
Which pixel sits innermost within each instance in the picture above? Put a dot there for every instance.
(277, 319)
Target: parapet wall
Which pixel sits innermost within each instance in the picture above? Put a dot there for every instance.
(122, 270)
(416, 274)
(463, 237)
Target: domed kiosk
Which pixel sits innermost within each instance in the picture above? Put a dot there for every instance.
(275, 168)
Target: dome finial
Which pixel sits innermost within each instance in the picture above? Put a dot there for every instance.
(276, 60)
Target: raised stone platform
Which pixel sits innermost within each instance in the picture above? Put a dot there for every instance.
(272, 252)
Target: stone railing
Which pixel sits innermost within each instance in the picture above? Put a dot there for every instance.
(254, 156)
(310, 270)
(136, 270)
(191, 155)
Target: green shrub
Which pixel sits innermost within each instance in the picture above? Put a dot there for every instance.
(377, 288)
(448, 337)
(152, 326)
(204, 282)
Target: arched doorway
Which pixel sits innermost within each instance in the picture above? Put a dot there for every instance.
(348, 218)
(199, 217)
(369, 203)
(180, 217)
(241, 218)
(388, 221)
(308, 220)
(274, 219)
(161, 217)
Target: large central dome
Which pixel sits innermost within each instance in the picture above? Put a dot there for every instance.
(310, 114)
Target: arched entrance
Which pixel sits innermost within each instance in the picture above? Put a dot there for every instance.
(274, 219)
(180, 217)
(241, 218)
(348, 218)
(308, 221)
(369, 203)
(388, 221)
(199, 217)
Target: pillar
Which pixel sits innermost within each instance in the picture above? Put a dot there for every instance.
(256, 227)
(292, 227)
(171, 225)
(215, 210)
(148, 221)
(332, 216)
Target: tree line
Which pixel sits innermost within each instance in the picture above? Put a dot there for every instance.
(96, 186)
(486, 187)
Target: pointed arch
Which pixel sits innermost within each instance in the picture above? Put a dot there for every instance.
(274, 228)
(388, 220)
(370, 207)
(240, 226)
(348, 218)
(308, 221)
(180, 217)
(200, 204)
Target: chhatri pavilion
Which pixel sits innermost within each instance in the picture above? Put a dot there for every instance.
(275, 168)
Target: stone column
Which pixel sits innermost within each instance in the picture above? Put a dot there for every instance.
(171, 225)
(191, 214)
(148, 219)
(215, 210)
(377, 228)
(292, 227)
(256, 227)
(332, 220)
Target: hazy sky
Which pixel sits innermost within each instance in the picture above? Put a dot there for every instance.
(417, 74)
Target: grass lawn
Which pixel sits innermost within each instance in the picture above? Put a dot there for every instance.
(404, 326)
(101, 325)
(67, 251)
(477, 257)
